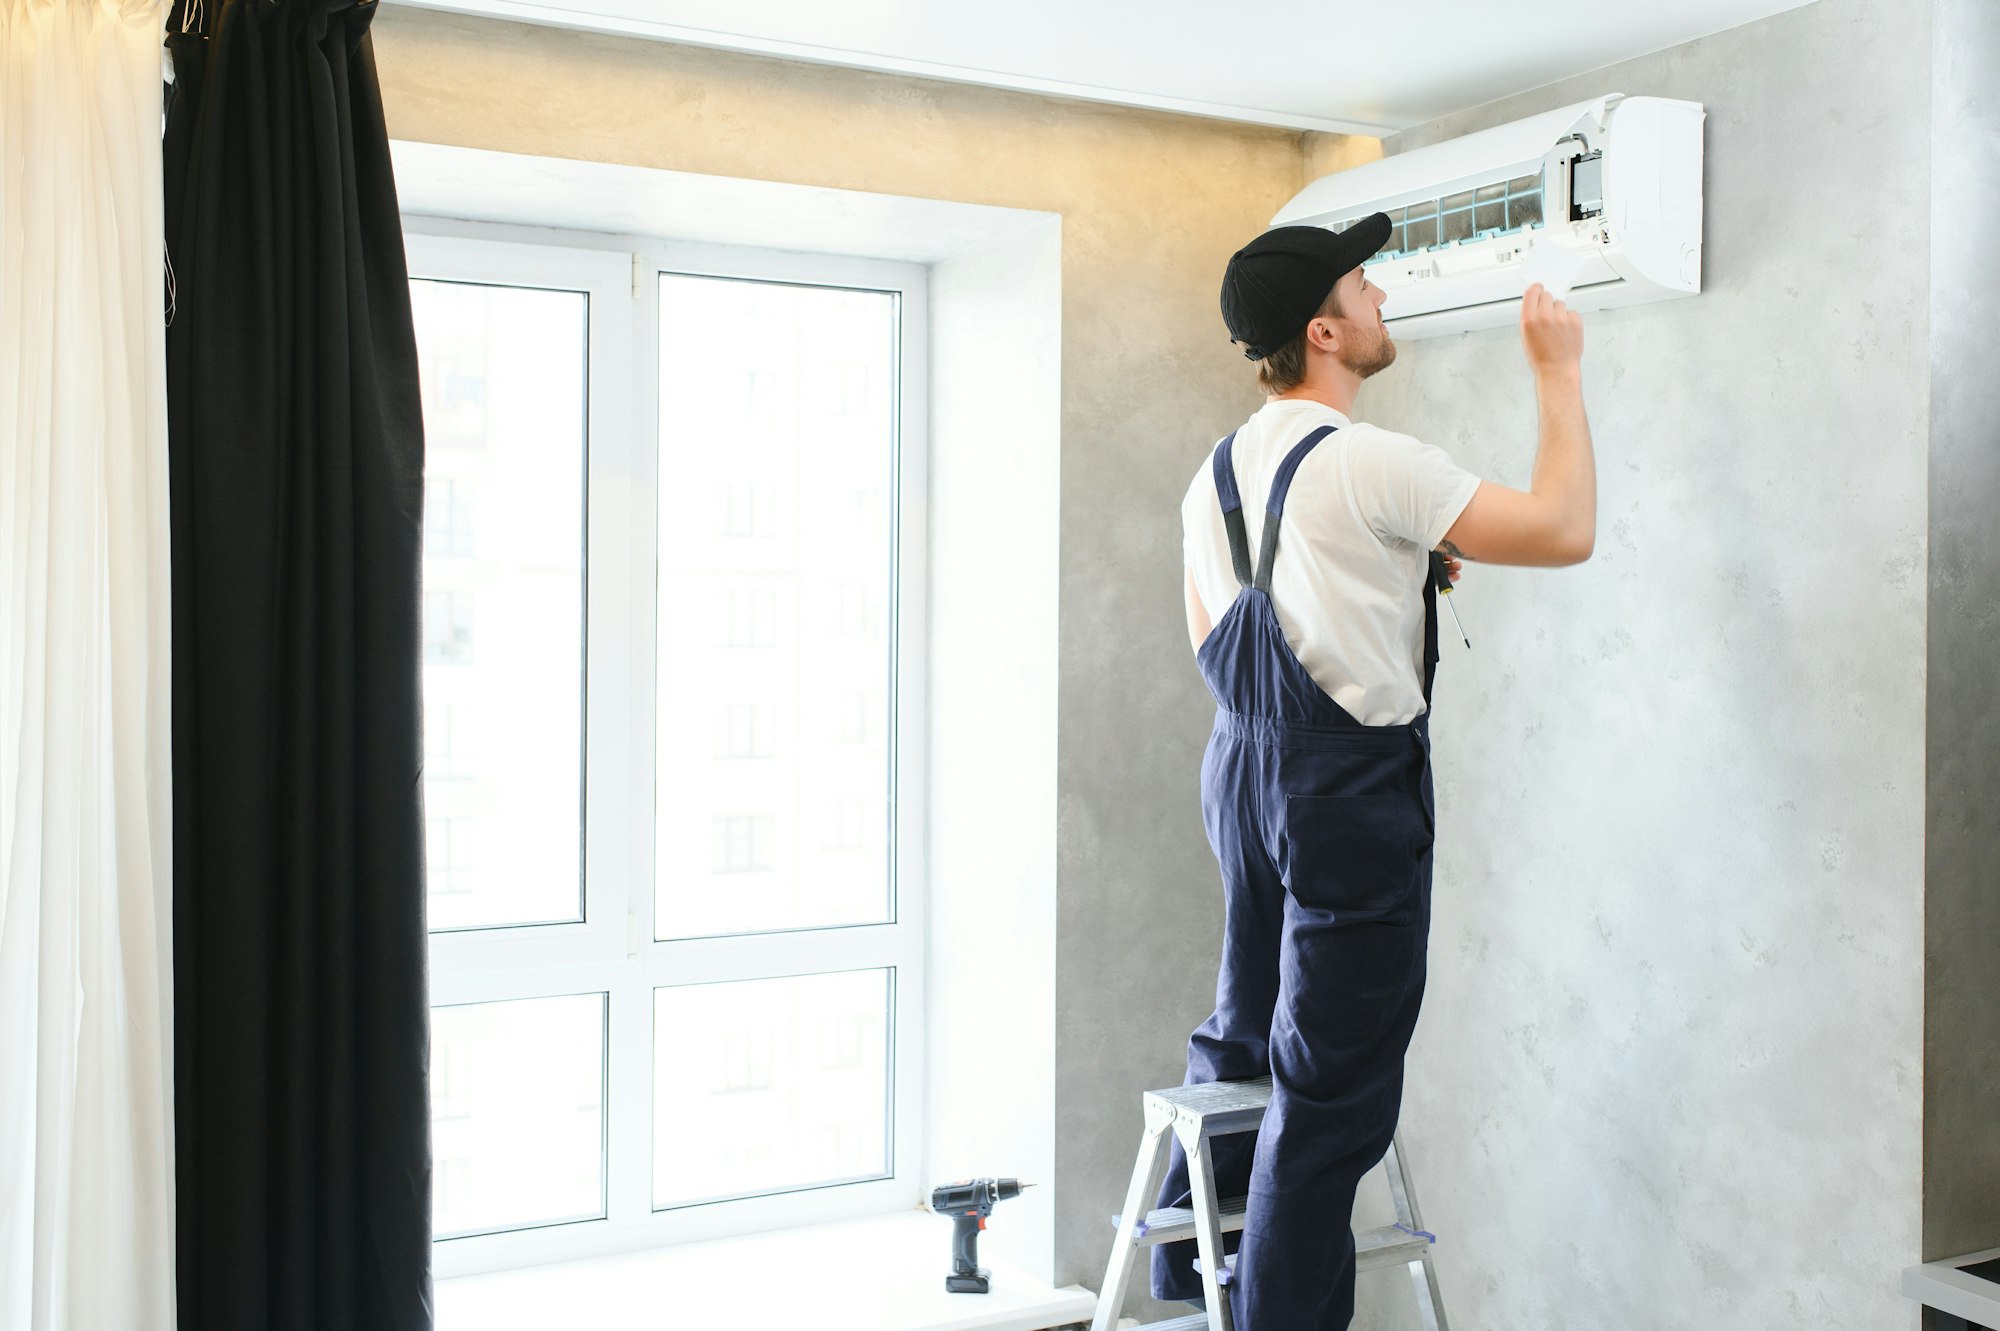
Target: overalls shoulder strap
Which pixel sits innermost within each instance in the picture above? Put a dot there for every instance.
(1232, 510)
(1274, 506)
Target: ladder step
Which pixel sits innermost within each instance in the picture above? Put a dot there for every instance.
(1198, 1322)
(1387, 1246)
(1217, 1107)
(1168, 1224)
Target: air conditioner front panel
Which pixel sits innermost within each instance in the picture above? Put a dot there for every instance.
(1427, 294)
(1616, 181)
(1507, 313)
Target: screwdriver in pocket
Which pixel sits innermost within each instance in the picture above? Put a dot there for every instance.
(1442, 577)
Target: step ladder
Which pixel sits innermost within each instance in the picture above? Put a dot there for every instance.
(1196, 1115)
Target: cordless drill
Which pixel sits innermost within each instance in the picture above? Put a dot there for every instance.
(968, 1202)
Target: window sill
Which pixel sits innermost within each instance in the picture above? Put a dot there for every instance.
(881, 1273)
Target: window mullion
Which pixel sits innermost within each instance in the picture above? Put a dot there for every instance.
(631, 478)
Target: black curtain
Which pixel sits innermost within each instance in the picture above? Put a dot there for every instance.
(296, 470)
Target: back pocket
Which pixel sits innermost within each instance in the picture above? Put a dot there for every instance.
(1361, 855)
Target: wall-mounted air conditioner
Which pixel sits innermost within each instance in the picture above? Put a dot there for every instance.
(1613, 185)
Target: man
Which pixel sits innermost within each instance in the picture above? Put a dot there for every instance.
(1315, 627)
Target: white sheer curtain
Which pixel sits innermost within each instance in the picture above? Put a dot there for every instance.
(86, 1025)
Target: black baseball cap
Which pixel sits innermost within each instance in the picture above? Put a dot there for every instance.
(1275, 285)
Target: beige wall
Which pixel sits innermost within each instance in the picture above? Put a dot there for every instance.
(1328, 153)
(1152, 204)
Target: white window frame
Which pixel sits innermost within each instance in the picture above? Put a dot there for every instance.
(613, 950)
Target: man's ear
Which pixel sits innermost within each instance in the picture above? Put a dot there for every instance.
(1322, 334)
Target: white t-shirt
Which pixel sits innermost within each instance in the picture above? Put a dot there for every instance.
(1364, 512)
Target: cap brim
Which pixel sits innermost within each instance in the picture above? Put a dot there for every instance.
(1365, 239)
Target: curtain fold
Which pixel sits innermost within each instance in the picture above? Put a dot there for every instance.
(297, 457)
(86, 1131)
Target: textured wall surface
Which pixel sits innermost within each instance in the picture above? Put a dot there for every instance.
(1152, 205)
(1962, 955)
(1670, 1067)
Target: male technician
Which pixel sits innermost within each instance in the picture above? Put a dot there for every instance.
(1312, 607)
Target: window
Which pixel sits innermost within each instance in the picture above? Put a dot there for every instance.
(746, 617)
(846, 824)
(849, 718)
(673, 567)
(448, 626)
(448, 850)
(748, 731)
(448, 509)
(744, 508)
(743, 842)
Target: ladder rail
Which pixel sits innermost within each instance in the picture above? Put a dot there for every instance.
(1208, 1235)
(1423, 1274)
(1148, 1173)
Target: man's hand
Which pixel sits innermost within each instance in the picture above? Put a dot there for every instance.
(1551, 333)
(1451, 564)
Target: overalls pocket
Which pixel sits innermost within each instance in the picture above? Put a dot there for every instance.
(1357, 855)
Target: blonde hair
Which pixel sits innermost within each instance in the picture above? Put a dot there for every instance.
(1285, 369)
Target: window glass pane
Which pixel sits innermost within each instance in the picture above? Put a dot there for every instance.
(504, 398)
(517, 1113)
(770, 1085)
(776, 611)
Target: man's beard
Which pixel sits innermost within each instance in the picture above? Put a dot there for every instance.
(1380, 355)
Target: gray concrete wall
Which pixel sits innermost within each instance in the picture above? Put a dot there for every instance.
(1961, 1210)
(1670, 1068)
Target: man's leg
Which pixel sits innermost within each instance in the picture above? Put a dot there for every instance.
(1347, 1008)
(1232, 1045)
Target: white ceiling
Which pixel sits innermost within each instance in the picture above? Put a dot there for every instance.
(1336, 65)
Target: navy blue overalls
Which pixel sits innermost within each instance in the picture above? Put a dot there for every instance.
(1322, 827)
